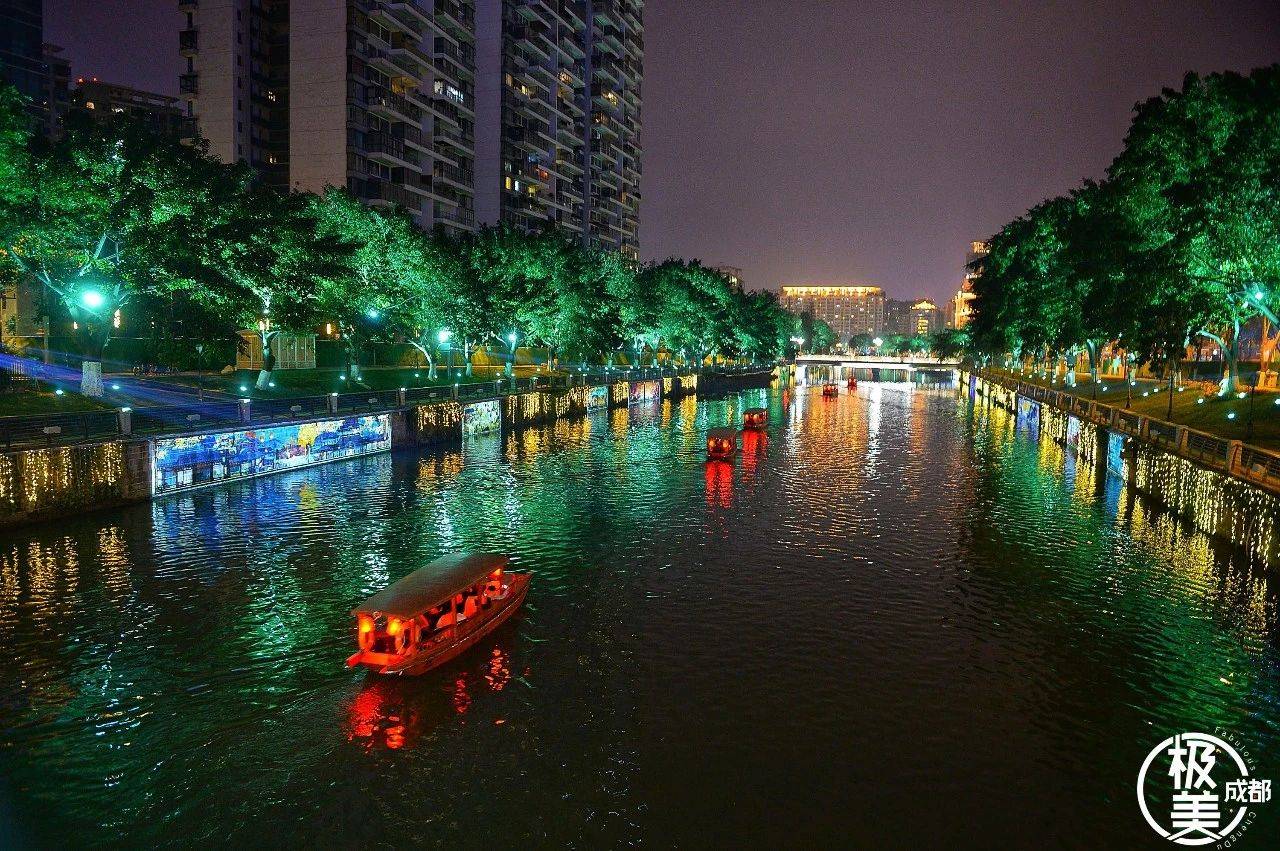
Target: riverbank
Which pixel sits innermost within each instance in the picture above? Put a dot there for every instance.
(235, 443)
(1249, 416)
(1224, 488)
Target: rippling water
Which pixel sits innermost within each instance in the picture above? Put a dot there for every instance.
(892, 621)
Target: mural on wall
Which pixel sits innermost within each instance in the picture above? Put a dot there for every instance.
(597, 397)
(182, 463)
(481, 418)
(1073, 431)
(644, 391)
(1029, 415)
(1115, 454)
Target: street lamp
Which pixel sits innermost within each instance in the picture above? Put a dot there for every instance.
(878, 342)
(92, 299)
(511, 338)
(372, 313)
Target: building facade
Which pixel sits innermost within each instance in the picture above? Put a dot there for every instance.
(924, 318)
(21, 49)
(56, 90)
(377, 96)
(558, 109)
(960, 309)
(734, 274)
(96, 100)
(849, 310)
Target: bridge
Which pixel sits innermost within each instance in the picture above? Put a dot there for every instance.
(811, 368)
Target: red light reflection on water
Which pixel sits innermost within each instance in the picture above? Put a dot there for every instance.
(754, 444)
(380, 716)
(719, 476)
(393, 713)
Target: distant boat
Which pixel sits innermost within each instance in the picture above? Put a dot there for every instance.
(436, 613)
(722, 443)
(755, 418)
(831, 389)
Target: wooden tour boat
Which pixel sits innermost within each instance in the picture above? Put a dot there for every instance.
(831, 389)
(755, 418)
(853, 383)
(722, 443)
(436, 613)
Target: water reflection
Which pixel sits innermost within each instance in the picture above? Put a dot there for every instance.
(983, 613)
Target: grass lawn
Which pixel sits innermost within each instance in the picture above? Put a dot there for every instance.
(27, 402)
(1224, 416)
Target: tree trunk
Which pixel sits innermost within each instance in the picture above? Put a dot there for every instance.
(91, 378)
(1266, 351)
(1231, 381)
(268, 361)
(467, 352)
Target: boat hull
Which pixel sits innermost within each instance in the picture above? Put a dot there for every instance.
(448, 650)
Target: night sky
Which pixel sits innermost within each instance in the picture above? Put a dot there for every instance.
(830, 142)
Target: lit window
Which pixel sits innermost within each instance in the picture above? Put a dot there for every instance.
(88, 104)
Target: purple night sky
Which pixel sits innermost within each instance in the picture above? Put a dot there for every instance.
(827, 142)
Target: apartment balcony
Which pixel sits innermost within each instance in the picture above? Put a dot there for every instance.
(188, 43)
(394, 107)
(414, 138)
(411, 11)
(460, 178)
(187, 5)
(454, 139)
(389, 151)
(458, 217)
(188, 85)
(456, 18)
(382, 193)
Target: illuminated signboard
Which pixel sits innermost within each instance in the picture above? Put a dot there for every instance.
(182, 463)
(1029, 415)
(481, 418)
(644, 391)
(1115, 454)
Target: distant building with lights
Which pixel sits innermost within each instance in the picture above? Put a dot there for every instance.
(100, 101)
(960, 309)
(734, 274)
(924, 318)
(849, 310)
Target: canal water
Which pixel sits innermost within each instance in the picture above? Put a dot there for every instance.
(893, 621)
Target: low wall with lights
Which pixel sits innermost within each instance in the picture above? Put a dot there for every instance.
(40, 484)
(1220, 487)
(43, 484)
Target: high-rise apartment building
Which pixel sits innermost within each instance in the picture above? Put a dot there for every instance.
(21, 49)
(558, 116)
(849, 310)
(377, 96)
(56, 90)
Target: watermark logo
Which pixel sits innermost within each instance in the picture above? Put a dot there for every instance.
(1209, 787)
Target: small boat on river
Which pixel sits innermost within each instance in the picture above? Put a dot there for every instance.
(831, 389)
(853, 383)
(436, 613)
(722, 444)
(755, 418)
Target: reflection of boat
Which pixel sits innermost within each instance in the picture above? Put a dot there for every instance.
(830, 389)
(754, 418)
(722, 443)
(853, 383)
(436, 613)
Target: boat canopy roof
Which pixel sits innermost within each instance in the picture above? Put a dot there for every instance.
(724, 431)
(431, 585)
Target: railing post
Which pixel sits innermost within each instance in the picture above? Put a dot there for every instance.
(243, 408)
(1181, 432)
(1233, 455)
(402, 397)
(1143, 427)
(333, 403)
(454, 393)
(125, 418)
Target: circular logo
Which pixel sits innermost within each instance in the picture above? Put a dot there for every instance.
(1195, 789)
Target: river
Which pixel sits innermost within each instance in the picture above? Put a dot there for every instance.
(894, 621)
